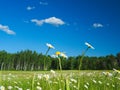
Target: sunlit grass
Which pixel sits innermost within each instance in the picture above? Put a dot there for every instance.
(50, 80)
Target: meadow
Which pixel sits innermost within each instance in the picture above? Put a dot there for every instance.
(60, 80)
(57, 80)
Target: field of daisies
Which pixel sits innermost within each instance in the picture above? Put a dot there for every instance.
(60, 80)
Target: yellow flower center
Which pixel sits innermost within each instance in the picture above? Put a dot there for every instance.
(57, 53)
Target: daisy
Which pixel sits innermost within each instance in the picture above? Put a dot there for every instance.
(89, 45)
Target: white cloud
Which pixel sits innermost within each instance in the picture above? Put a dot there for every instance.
(38, 22)
(43, 3)
(30, 8)
(6, 29)
(97, 25)
(52, 20)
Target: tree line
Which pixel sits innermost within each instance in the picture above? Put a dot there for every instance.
(31, 60)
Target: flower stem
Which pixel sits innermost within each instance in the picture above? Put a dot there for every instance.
(80, 62)
(33, 79)
(60, 64)
(45, 58)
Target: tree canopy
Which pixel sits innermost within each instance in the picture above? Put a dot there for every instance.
(31, 60)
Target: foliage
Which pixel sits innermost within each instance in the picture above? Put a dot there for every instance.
(31, 60)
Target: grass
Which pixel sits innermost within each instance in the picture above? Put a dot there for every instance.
(55, 80)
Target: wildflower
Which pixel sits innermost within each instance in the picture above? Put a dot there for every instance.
(39, 88)
(75, 87)
(54, 56)
(9, 78)
(38, 83)
(50, 46)
(50, 81)
(15, 82)
(39, 76)
(87, 83)
(108, 84)
(16, 87)
(99, 82)
(90, 46)
(2, 88)
(28, 82)
(94, 81)
(118, 71)
(20, 89)
(73, 80)
(46, 76)
(86, 86)
(10, 87)
(118, 78)
(52, 71)
(113, 85)
(63, 55)
(57, 53)
(107, 73)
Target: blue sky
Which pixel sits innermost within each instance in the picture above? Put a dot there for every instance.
(66, 24)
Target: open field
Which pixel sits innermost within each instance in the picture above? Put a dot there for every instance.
(56, 80)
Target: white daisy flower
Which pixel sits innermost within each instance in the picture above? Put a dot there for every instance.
(63, 55)
(50, 46)
(52, 71)
(38, 88)
(86, 86)
(89, 45)
(2, 88)
(10, 87)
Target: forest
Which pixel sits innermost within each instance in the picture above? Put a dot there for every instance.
(28, 60)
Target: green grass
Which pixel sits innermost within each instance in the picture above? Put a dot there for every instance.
(67, 80)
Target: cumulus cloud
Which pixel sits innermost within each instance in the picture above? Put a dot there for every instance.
(97, 25)
(38, 22)
(30, 8)
(6, 29)
(52, 20)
